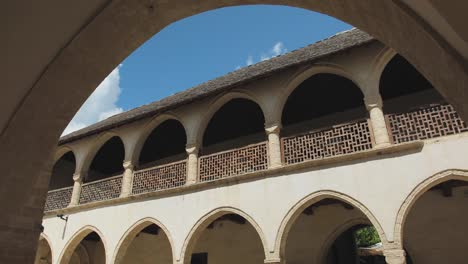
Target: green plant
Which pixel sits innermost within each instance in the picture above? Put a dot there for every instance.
(366, 236)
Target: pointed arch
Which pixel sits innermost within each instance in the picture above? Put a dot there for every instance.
(298, 78)
(63, 169)
(149, 127)
(418, 191)
(321, 258)
(218, 103)
(132, 232)
(330, 94)
(294, 213)
(44, 241)
(61, 150)
(154, 126)
(95, 157)
(95, 146)
(403, 88)
(232, 116)
(75, 241)
(379, 64)
(205, 221)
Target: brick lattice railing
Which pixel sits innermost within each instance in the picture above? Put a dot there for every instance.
(161, 177)
(430, 122)
(233, 162)
(426, 123)
(101, 190)
(338, 140)
(58, 199)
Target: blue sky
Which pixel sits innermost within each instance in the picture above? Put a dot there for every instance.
(199, 48)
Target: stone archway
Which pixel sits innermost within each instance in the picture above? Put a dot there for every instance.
(435, 205)
(246, 245)
(85, 241)
(94, 51)
(236, 123)
(146, 241)
(44, 251)
(312, 226)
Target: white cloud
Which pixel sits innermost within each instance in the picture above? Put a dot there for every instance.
(100, 105)
(249, 60)
(276, 50)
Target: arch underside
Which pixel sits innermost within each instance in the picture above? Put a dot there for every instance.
(432, 219)
(87, 245)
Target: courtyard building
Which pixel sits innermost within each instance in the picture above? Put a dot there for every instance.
(284, 161)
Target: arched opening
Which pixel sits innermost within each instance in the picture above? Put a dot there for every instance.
(404, 89)
(62, 172)
(332, 231)
(358, 244)
(147, 243)
(43, 253)
(228, 239)
(435, 228)
(58, 81)
(322, 101)
(415, 110)
(237, 123)
(89, 250)
(108, 161)
(165, 144)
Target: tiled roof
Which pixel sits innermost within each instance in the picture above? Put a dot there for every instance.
(335, 44)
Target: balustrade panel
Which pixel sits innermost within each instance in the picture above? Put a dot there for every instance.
(101, 190)
(58, 199)
(338, 140)
(426, 123)
(160, 177)
(234, 162)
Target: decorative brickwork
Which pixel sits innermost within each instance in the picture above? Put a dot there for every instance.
(161, 177)
(58, 199)
(234, 162)
(430, 122)
(339, 140)
(101, 190)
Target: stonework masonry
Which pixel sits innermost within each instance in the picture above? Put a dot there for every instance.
(424, 32)
(323, 181)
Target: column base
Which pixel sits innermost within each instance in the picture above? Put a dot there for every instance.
(382, 145)
(190, 183)
(395, 256)
(123, 195)
(274, 261)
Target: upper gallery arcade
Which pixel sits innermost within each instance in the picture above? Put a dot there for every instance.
(344, 131)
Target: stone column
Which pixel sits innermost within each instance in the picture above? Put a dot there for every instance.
(395, 256)
(192, 164)
(378, 124)
(274, 145)
(127, 179)
(75, 197)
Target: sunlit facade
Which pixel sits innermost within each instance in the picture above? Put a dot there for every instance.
(278, 162)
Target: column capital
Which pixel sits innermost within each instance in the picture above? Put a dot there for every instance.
(78, 176)
(373, 101)
(273, 128)
(128, 165)
(192, 149)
